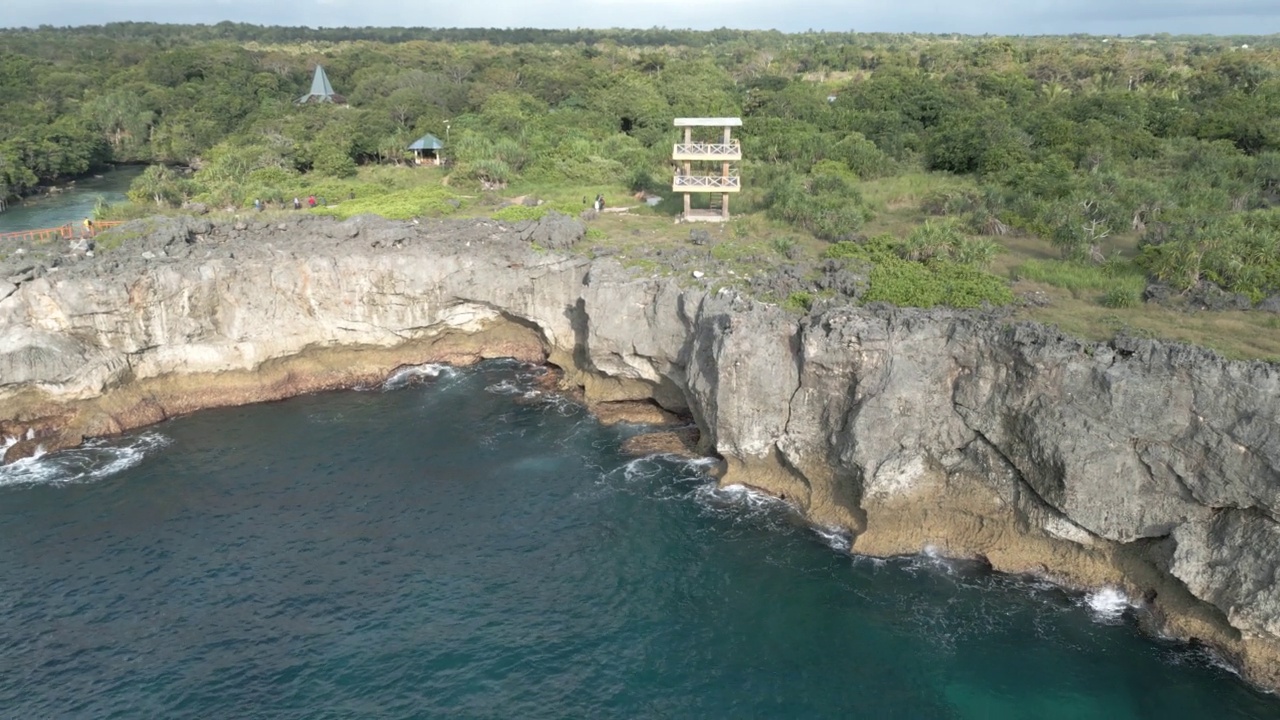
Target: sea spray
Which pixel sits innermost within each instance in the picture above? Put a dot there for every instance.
(413, 374)
(95, 460)
(1107, 604)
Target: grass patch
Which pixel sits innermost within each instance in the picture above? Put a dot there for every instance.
(569, 199)
(1115, 284)
(425, 201)
(520, 213)
(905, 191)
(114, 238)
(1238, 335)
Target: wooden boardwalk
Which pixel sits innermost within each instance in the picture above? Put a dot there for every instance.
(70, 231)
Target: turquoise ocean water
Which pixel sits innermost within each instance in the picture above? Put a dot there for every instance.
(72, 206)
(457, 546)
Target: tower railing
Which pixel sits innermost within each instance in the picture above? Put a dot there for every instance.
(729, 151)
(709, 182)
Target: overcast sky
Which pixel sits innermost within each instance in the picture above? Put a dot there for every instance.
(1257, 17)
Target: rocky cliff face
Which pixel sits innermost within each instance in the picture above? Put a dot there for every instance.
(1150, 466)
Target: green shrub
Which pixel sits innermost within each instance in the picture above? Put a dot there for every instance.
(826, 202)
(1122, 297)
(938, 282)
(800, 301)
(950, 202)
(877, 249)
(1239, 252)
(909, 283)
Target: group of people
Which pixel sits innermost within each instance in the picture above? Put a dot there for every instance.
(598, 205)
(312, 201)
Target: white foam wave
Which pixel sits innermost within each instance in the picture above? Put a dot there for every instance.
(642, 468)
(93, 461)
(556, 403)
(739, 496)
(932, 559)
(835, 538)
(1107, 603)
(505, 387)
(700, 463)
(415, 374)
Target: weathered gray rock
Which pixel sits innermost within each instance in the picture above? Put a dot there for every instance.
(847, 280)
(1209, 296)
(863, 417)
(1230, 561)
(553, 231)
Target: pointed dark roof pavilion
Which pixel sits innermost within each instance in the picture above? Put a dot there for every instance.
(321, 90)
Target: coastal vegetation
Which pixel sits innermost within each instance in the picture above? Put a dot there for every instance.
(1130, 178)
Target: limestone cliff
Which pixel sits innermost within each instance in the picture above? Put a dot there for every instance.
(1151, 466)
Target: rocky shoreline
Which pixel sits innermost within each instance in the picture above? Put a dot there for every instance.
(1152, 467)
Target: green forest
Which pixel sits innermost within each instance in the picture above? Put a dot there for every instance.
(1091, 168)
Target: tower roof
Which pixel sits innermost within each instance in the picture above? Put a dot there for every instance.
(321, 90)
(709, 122)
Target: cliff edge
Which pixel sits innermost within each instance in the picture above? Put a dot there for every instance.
(1150, 466)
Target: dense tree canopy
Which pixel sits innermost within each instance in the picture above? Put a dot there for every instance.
(1073, 138)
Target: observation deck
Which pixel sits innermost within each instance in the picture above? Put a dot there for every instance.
(706, 183)
(714, 152)
(716, 177)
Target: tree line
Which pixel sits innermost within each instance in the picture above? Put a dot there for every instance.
(1075, 139)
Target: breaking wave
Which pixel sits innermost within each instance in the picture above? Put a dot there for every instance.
(415, 374)
(835, 538)
(95, 460)
(1107, 604)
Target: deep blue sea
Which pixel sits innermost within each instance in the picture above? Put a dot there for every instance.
(457, 546)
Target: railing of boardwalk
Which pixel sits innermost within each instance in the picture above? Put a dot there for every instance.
(62, 232)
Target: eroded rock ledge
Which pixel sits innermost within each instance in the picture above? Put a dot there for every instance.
(1151, 466)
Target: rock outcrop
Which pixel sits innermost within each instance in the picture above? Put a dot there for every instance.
(1150, 466)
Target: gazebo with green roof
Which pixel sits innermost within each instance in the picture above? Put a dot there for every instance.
(426, 150)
